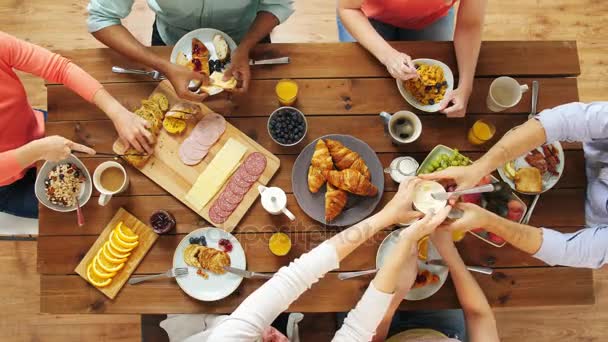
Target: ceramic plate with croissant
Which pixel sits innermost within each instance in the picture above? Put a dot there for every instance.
(338, 180)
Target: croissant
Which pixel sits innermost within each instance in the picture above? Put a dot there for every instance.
(350, 180)
(335, 201)
(315, 179)
(321, 157)
(345, 158)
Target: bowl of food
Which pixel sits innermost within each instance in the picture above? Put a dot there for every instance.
(287, 126)
(427, 91)
(58, 184)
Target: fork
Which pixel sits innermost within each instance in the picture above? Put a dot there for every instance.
(172, 273)
(348, 275)
(156, 75)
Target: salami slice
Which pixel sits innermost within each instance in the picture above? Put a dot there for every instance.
(225, 205)
(255, 164)
(238, 188)
(217, 215)
(245, 176)
(215, 218)
(230, 197)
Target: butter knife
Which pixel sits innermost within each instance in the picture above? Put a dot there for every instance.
(478, 269)
(156, 75)
(280, 60)
(247, 274)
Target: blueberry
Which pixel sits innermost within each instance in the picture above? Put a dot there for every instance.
(438, 86)
(61, 176)
(428, 88)
(194, 240)
(202, 241)
(431, 102)
(290, 126)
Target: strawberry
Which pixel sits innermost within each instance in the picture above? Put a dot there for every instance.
(495, 239)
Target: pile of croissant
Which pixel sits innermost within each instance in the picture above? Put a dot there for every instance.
(352, 175)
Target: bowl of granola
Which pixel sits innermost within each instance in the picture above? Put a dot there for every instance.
(434, 82)
(59, 183)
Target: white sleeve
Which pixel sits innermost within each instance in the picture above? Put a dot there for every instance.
(586, 248)
(362, 321)
(576, 121)
(258, 310)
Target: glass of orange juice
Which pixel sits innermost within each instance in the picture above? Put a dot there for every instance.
(481, 132)
(287, 92)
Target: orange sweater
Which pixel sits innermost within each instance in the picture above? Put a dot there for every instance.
(19, 124)
(407, 14)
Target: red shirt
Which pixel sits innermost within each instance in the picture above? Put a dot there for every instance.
(407, 14)
(19, 124)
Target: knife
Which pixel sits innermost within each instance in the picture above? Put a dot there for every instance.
(280, 60)
(479, 269)
(247, 274)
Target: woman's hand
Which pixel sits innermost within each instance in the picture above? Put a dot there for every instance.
(180, 78)
(132, 131)
(271, 334)
(465, 177)
(399, 209)
(399, 65)
(474, 217)
(239, 69)
(454, 104)
(56, 148)
(425, 226)
(408, 273)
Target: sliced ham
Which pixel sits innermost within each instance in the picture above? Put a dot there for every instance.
(202, 137)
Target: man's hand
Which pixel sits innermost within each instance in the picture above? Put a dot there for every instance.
(399, 209)
(239, 69)
(132, 131)
(399, 65)
(454, 104)
(465, 177)
(180, 78)
(474, 217)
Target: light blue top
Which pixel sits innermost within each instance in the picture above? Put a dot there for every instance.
(174, 18)
(587, 123)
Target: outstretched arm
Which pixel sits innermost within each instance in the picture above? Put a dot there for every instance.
(481, 324)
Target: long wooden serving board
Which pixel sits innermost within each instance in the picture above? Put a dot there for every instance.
(147, 237)
(167, 170)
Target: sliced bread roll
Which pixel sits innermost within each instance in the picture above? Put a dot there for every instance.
(221, 47)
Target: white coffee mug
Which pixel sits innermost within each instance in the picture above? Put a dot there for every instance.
(504, 93)
(105, 194)
(402, 133)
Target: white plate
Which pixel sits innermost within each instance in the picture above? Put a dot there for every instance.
(205, 35)
(549, 180)
(216, 286)
(449, 77)
(85, 189)
(422, 292)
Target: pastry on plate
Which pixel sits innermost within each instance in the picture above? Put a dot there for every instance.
(335, 201)
(315, 179)
(352, 181)
(528, 179)
(425, 278)
(345, 158)
(200, 57)
(321, 157)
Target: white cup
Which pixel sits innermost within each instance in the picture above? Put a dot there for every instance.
(106, 194)
(397, 131)
(274, 201)
(504, 93)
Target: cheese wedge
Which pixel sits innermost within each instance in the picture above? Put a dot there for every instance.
(210, 181)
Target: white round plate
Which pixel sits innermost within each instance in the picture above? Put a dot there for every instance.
(216, 286)
(85, 190)
(422, 292)
(449, 77)
(549, 180)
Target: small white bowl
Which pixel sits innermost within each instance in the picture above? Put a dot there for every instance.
(422, 197)
(449, 77)
(288, 108)
(85, 190)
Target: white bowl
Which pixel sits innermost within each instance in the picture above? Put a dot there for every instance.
(294, 109)
(449, 77)
(85, 190)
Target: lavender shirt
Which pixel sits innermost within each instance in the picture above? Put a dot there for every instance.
(587, 123)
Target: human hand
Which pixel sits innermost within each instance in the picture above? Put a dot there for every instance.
(132, 131)
(425, 226)
(56, 148)
(399, 65)
(180, 78)
(465, 177)
(271, 334)
(399, 209)
(408, 273)
(473, 217)
(454, 104)
(239, 69)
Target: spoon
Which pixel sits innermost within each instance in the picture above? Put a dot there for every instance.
(79, 212)
(442, 196)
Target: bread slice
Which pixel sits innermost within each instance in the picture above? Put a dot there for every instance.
(221, 47)
(528, 179)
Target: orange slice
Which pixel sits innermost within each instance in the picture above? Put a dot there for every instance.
(423, 248)
(120, 245)
(110, 258)
(124, 235)
(96, 281)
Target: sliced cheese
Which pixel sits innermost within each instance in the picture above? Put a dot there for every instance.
(217, 79)
(210, 181)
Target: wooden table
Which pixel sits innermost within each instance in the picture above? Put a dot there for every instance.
(342, 90)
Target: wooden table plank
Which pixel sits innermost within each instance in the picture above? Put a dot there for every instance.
(323, 60)
(569, 203)
(61, 254)
(436, 130)
(508, 288)
(315, 97)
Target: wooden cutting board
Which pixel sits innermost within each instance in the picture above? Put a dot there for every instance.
(147, 237)
(167, 170)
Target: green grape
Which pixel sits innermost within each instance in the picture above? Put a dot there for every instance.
(444, 157)
(454, 163)
(463, 163)
(435, 163)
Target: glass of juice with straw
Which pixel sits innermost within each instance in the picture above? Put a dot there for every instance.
(481, 132)
(287, 92)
